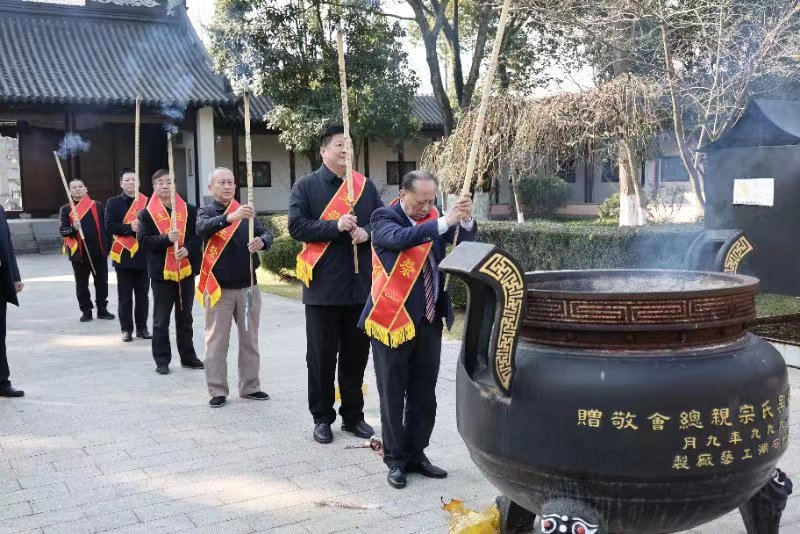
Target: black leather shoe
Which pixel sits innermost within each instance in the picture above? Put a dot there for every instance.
(396, 478)
(360, 429)
(217, 402)
(162, 370)
(127, 337)
(8, 391)
(87, 316)
(427, 469)
(323, 433)
(104, 314)
(194, 364)
(144, 334)
(256, 395)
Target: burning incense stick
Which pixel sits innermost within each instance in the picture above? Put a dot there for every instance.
(476, 135)
(75, 213)
(348, 143)
(174, 218)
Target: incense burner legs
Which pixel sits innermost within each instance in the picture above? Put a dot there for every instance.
(514, 519)
(762, 513)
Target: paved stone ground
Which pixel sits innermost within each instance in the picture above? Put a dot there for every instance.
(103, 443)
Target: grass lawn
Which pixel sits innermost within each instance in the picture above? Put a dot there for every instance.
(275, 285)
(769, 305)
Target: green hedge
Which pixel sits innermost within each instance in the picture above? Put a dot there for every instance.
(549, 245)
(281, 257)
(278, 225)
(542, 245)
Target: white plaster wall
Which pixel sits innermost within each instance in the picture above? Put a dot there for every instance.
(265, 148)
(380, 153)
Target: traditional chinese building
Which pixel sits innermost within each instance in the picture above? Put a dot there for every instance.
(78, 65)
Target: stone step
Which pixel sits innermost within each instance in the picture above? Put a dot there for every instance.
(35, 236)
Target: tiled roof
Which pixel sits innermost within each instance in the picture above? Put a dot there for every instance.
(424, 108)
(48, 57)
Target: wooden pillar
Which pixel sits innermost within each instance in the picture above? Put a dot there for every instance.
(292, 170)
(235, 158)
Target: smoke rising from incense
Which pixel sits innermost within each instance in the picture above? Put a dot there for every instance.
(71, 144)
(172, 114)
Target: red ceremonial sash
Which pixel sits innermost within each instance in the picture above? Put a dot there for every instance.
(128, 242)
(312, 252)
(83, 207)
(389, 321)
(173, 270)
(208, 285)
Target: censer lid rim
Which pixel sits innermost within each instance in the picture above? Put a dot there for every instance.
(590, 283)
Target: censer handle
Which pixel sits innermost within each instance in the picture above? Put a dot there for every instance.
(496, 287)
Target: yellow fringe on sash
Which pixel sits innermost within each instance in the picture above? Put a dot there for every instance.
(304, 271)
(213, 297)
(391, 339)
(72, 250)
(186, 271)
(118, 257)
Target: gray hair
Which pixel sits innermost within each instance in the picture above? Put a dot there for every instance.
(215, 171)
(408, 181)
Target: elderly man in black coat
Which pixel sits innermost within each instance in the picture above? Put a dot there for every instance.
(10, 285)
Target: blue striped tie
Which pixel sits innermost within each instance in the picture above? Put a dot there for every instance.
(430, 303)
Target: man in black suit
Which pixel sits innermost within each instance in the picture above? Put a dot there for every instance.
(404, 318)
(92, 222)
(171, 272)
(333, 294)
(10, 285)
(131, 264)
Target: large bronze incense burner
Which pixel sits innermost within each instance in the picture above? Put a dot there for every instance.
(619, 401)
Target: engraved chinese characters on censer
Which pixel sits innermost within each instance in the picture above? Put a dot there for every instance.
(714, 439)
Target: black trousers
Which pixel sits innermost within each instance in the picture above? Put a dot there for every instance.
(165, 298)
(133, 283)
(406, 379)
(4, 372)
(82, 272)
(332, 331)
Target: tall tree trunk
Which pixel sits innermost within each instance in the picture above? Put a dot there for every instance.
(429, 38)
(689, 162)
(631, 203)
(517, 199)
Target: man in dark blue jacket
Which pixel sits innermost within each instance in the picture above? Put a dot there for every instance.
(404, 317)
(334, 295)
(227, 277)
(10, 285)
